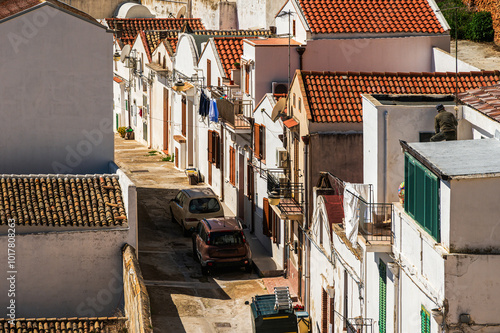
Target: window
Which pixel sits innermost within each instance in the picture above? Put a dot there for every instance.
(247, 79)
(214, 151)
(218, 81)
(209, 73)
(382, 296)
(184, 116)
(259, 141)
(250, 181)
(232, 166)
(266, 223)
(204, 206)
(293, 27)
(294, 105)
(227, 238)
(324, 311)
(142, 62)
(300, 104)
(425, 320)
(422, 196)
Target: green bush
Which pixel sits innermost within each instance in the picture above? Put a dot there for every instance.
(480, 27)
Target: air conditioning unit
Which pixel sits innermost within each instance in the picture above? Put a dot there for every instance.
(280, 88)
(282, 157)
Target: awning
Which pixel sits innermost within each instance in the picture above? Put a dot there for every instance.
(290, 123)
(117, 79)
(278, 108)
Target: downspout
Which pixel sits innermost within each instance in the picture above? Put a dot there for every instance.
(150, 127)
(384, 198)
(306, 140)
(300, 50)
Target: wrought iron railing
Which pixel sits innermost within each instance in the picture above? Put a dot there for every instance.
(291, 195)
(233, 109)
(360, 325)
(376, 223)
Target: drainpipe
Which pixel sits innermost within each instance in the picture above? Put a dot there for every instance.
(150, 121)
(300, 50)
(306, 139)
(384, 198)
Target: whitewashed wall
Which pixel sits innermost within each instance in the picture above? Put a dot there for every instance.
(56, 92)
(475, 125)
(283, 27)
(445, 62)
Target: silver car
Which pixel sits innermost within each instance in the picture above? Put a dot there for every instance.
(191, 205)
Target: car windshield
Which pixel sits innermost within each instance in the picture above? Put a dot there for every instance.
(204, 205)
(227, 238)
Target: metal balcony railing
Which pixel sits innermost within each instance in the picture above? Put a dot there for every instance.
(233, 109)
(291, 195)
(360, 325)
(376, 224)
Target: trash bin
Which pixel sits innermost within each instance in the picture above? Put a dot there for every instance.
(193, 176)
(303, 321)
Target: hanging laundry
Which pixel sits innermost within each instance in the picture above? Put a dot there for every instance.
(213, 114)
(204, 105)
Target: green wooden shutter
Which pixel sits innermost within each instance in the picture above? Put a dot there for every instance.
(382, 297)
(422, 196)
(425, 321)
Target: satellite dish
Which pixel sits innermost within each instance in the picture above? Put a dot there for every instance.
(182, 12)
(125, 52)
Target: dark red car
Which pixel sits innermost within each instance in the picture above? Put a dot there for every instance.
(220, 242)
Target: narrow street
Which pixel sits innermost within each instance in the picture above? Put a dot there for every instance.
(182, 299)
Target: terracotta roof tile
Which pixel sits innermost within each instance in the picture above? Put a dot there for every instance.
(62, 201)
(12, 7)
(370, 16)
(230, 50)
(336, 96)
(484, 99)
(67, 325)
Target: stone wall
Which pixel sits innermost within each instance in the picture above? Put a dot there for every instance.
(137, 307)
(492, 6)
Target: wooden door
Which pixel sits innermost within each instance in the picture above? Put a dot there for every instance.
(166, 122)
(176, 157)
(209, 173)
(241, 186)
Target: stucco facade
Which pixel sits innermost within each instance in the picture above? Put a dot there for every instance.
(42, 108)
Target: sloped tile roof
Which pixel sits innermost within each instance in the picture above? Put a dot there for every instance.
(12, 7)
(67, 325)
(230, 50)
(336, 96)
(130, 28)
(484, 99)
(62, 201)
(370, 16)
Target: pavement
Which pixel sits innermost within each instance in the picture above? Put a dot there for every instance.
(182, 300)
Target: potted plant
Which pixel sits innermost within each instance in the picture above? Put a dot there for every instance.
(121, 131)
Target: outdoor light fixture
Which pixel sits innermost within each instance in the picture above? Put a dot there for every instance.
(178, 86)
(274, 198)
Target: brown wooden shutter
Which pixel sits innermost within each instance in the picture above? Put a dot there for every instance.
(217, 150)
(247, 79)
(262, 136)
(232, 171)
(256, 141)
(210, 153)
(266, 223)
(332, 313)
(209, 73)
(324, 311)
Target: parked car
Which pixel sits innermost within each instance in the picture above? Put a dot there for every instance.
(220, 242)
(191, 205)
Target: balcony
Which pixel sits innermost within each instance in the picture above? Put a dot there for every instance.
(233, 109)
(290, 195)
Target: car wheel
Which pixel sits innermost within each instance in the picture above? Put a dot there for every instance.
(172, 215)
(204, 270)
(248, 268)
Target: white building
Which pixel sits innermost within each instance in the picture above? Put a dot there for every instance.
(43, 101)
(400, 37)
